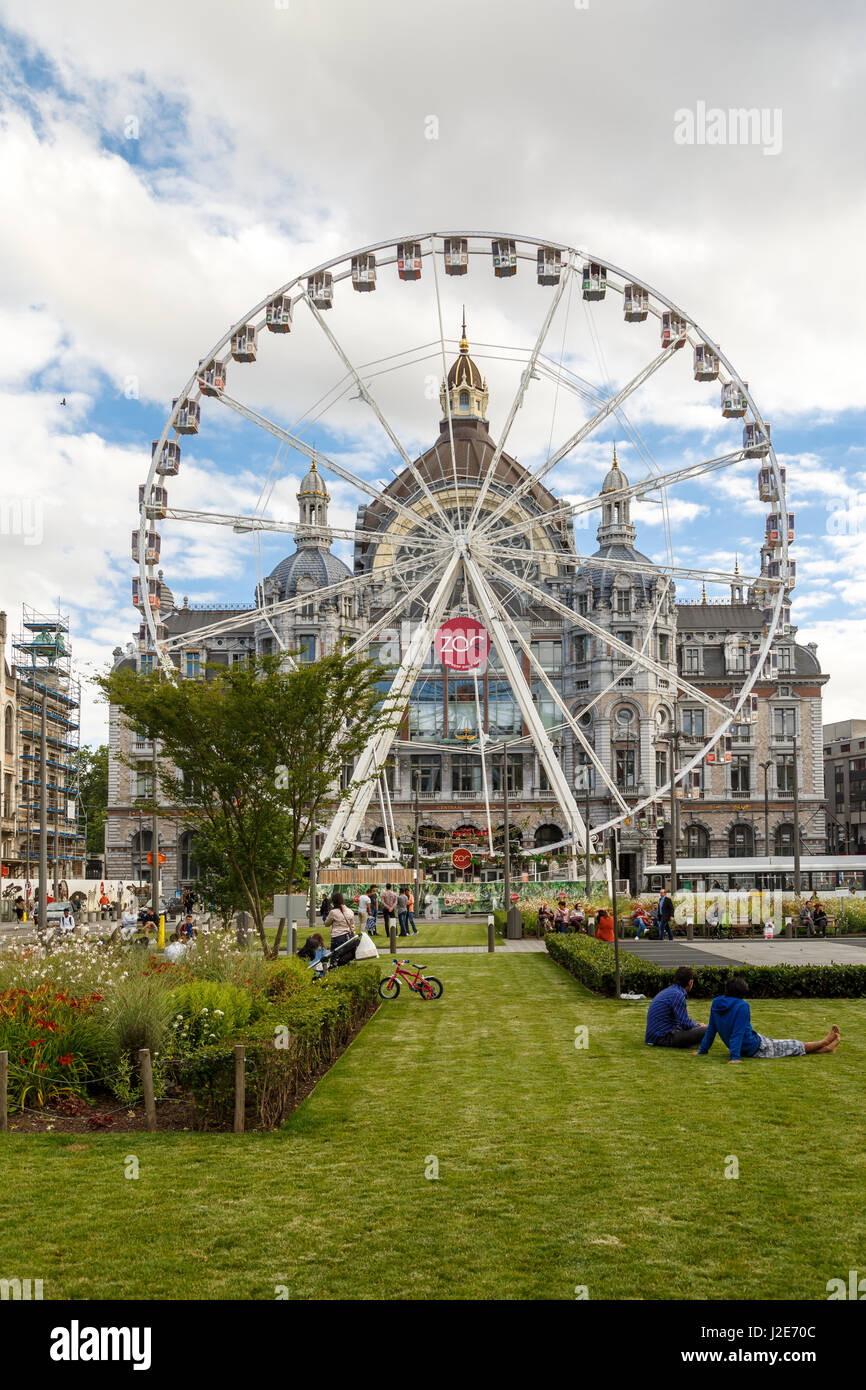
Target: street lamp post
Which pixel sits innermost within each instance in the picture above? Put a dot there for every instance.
(415, 772)
(506, 867)
(765, 767)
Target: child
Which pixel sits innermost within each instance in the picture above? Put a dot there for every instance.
(314, 950)
(731, 1018)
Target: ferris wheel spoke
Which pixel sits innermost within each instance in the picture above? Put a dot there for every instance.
(445, 381)
(569, 718)
(347, 822)
(243, 524)
(352, 584)
(323, 460)
(609, 408)
(367, 396)
(620, 648)
(655, 482)
(408, 597)
(525, 378)
(523, 696)
(520, 553)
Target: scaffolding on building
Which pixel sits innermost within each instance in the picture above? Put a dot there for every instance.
(45, 671)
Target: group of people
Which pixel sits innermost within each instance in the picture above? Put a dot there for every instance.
(813, 917)
(576, 919)
(668, 1023)
(397, 903)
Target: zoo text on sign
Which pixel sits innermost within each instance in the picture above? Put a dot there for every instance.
(461, 858)
(462, 644)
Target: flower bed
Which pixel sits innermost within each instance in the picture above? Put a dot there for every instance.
(593, 964)
(74, 1020)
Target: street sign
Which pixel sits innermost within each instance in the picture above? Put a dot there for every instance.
(515, 897)
(461, 858)
(462, 644)
(161, 857)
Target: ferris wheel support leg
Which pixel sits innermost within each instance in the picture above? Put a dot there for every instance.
(349, 817)
(523, 695)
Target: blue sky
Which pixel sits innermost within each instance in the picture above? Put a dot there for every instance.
(167, 168)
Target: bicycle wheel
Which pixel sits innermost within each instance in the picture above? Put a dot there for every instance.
(434, 989)
(389, 989)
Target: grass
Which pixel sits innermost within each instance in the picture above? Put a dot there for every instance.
(558, 1167)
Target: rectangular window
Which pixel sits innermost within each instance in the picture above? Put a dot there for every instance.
(784, 722)
(465, 774)
(579, 650)
(306, 649)
(785, 772)
(427, 767)
(691, 660)
(664, 647)
(693, 723)
(741, 773)
(623, 602)
(661, 767)
(240, 658)
(625, 765)
(192, 665)
(515, 773)
(143, 783)
(624, 637)
(583, 604)
(548, 654)
(738, 658)
(741, 733)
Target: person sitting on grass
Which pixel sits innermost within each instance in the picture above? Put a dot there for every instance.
(667, 1021)
(176, 949)
(314, 950)
(731, 1018)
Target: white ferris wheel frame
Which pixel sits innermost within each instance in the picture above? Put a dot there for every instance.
(469, 549)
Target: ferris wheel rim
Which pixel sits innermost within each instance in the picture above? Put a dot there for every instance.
(694, 334)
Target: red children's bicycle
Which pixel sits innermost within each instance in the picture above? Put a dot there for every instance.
(424, 985)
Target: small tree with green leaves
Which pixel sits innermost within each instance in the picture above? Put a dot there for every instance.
(250, 756)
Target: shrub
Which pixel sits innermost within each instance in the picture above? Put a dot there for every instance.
(53, 1043)
(285, 977)
(593, 963)
(302, 1033)
(136, 1014)
(215, 955)
(206, 1011)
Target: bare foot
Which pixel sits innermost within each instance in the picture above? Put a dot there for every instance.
(831, 1045)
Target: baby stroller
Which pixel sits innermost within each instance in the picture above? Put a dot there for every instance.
(342, 954)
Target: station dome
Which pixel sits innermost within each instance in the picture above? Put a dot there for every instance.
(318, 564)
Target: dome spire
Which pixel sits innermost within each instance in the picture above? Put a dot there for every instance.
(464, 341)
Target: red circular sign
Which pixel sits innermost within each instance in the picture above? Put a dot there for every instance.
(462, 644)
(461, 858)
(515, 897)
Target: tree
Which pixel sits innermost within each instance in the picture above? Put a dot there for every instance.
(92, 767)
(250, 755)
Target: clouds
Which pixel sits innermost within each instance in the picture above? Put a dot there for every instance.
(166, 166)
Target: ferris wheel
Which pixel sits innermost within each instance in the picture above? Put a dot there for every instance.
(476, 534)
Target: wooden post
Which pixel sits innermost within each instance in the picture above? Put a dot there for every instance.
(491, 933)
(294, 939)
(240, 1088)
(147, 1088)
(4, 1082)
(393, 941)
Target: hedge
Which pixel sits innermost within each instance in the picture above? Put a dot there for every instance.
(320, 1020)
(593, 964)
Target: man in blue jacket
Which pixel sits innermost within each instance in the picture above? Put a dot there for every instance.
(667, 1021)
(731, 1018)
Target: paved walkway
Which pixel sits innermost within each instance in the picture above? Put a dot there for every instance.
(844, 950)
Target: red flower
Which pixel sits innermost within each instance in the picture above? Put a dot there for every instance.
(66, 1059)
(35, 1042)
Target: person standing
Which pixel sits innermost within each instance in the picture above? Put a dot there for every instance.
(19, 908)
(340, 921)
(403, 911)
(325, 907)
(374, 909)
(666, 915)
(410, 911)
(364, 911)
(389, 906)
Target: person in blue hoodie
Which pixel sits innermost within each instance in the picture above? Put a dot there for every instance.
(731, 1018)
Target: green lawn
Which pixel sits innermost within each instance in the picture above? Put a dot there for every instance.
(558, 1167)
(442, 933)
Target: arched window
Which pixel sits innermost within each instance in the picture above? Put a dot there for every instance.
(548, 835)
(188, 866)
(697, 842)
(7, 730)
(464, 400)
(378, 837)
(741, 842)
(784, 839)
